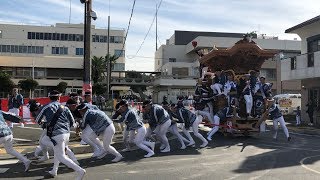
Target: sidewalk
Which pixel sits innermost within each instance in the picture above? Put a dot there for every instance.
(301, 129)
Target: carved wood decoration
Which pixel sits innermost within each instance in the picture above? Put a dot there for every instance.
(242, 57)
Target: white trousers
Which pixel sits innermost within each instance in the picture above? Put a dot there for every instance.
(8, 146)
(298, 119)
(46, 143)
(16, 112)
(161, 131)
(128, 137)
(107, 137)
(174, 130)
(249, 103)
(216, 88)
(210, 105)
(140, 141)
(93, 143)
(206, 114)
(216, 127)
(283, 126)
(60, 153)
(149, 132)
(195, 130)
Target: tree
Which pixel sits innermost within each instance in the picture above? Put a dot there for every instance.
(140, 88)
(98, 68)
(6, 83)
(112, 58)
(28, 85)
(99, 88)
(62, 86)
(99, 65)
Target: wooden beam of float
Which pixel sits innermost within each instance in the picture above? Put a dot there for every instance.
(241, 58)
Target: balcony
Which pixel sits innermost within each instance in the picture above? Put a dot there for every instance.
(131, 81)
(175, 80)
(304, 66)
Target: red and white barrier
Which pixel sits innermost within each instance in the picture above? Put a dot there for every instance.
(24, 111)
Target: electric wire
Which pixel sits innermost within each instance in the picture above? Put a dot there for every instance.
(145, 37)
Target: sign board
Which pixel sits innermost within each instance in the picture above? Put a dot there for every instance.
(285, 102)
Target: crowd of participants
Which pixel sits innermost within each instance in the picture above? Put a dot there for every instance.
(97, 129)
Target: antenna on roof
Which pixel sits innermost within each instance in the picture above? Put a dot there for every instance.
(70, 12)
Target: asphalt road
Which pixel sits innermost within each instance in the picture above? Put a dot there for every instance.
(257, 157)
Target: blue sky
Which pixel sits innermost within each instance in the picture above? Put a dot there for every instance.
(270, 17)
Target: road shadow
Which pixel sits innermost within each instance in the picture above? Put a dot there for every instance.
(280, 154)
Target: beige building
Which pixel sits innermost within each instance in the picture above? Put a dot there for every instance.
(179, 66)
(51, 54)
(305, 66)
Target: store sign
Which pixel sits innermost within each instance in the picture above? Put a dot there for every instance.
(285, 102)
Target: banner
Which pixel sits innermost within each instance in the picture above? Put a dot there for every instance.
(24, 111)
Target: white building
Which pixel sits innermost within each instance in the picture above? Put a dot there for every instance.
(305, 67)
(179, 66)
(51, 54)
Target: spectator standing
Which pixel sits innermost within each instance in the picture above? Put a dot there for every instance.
(15, 102)
(310, 111)
(298, 116)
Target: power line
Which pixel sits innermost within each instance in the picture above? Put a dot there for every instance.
(145, 37)
(159, 40)
(125, 37)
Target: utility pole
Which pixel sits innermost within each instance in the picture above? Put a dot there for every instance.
(87, 44)
(156, 27)
(108, 60)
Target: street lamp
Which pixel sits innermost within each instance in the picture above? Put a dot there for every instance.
(88, 14)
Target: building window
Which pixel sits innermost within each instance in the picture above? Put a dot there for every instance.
(180, 71)
(310, 60)
(79, 51)
(33, 35)
(7, 70)
(116, 39)
(24, 72)
(270, 74)
(293, 63)
(119, 53)
(60, 50)
(0, 33)
(314, 95)
(118, 67)
(101, 39)
(172, 60)
(72, 37)
(39, 72)
(77, 37)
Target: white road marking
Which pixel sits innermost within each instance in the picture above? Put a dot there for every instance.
(261, 175)
(306, 167)
(26, 127)
(234, 177)
(7, 162)
(36, 128)
(18, 139)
